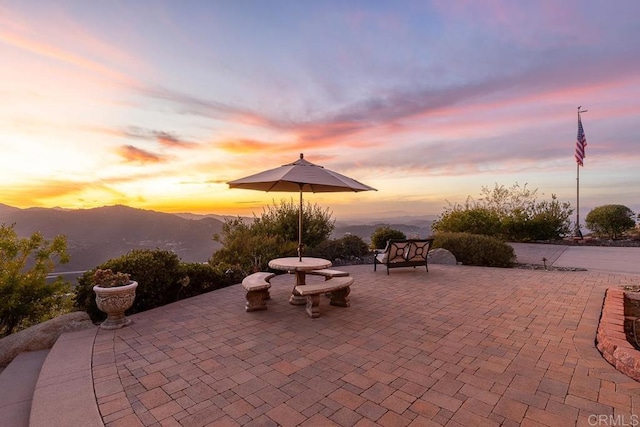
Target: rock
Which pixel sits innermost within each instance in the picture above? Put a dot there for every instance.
(441, 256)
(41, 336)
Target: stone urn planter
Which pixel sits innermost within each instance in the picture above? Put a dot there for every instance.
(115, 294)
(631, 309)
(631, 300)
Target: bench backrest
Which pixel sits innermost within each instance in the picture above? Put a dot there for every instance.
(396, 250)
(407, 250)
(419, 249)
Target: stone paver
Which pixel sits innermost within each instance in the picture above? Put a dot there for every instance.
(455, 346)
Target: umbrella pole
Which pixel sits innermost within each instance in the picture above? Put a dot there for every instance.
(300, 227)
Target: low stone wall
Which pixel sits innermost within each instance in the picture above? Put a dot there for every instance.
(41, 336)
(611, 339)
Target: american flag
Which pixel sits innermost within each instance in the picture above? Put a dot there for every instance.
(581, 143)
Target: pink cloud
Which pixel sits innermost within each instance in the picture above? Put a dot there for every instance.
(137, 155)
(52, 52)
(164, 138)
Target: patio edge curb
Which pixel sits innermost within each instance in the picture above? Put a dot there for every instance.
(611, 339)
(64, 394)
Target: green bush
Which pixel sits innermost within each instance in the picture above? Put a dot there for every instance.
(346, 248)
(198, 278)
(469, 219)
(476, 249)
(381, 235)
(161, 278)
(282, 220)
(610, 221)
(511, 214)
(246, 250)
(249, 246)
(25, 296)
(547, 220)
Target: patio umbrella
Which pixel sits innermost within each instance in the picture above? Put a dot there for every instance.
(300, 176)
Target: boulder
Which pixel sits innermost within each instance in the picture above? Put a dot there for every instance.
(41, 336)
(441, 256)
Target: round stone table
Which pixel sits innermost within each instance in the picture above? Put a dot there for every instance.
(299, 267)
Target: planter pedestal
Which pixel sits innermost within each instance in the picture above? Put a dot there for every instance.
(114, 302)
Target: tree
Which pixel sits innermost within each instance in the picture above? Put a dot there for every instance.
(610, 220)
(25, 296)
(380, 236)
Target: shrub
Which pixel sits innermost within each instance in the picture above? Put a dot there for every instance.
(249, 247)
(469, 219)
(161, 278)
(610, 220)
(25, 296)
(511, 214)
(347, 247)
(282, 220)
(197, 278)
(245, 250)
(475, 249)
(549, 220)
(380, 237)
(155, 271)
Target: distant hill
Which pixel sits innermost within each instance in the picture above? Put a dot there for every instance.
(99, 234)
(6, 209)
(417, 228)
(222, 218)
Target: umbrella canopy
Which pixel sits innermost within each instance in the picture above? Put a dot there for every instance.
(300, 176)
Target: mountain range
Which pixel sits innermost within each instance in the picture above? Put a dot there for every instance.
(99, 234)
(419, 228)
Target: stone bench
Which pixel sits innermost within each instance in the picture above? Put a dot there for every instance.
(328, 273)
(337, 286)
(257, 286)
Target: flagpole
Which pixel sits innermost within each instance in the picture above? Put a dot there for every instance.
(578, 233)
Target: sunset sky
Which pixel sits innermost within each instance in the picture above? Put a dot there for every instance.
(157, 104)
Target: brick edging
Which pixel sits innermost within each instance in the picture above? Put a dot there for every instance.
(611, 340)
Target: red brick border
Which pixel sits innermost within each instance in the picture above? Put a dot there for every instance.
(611, 339)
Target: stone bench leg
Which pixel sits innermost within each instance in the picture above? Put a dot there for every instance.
(257, 300)
(313, 306)
(341, 297)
